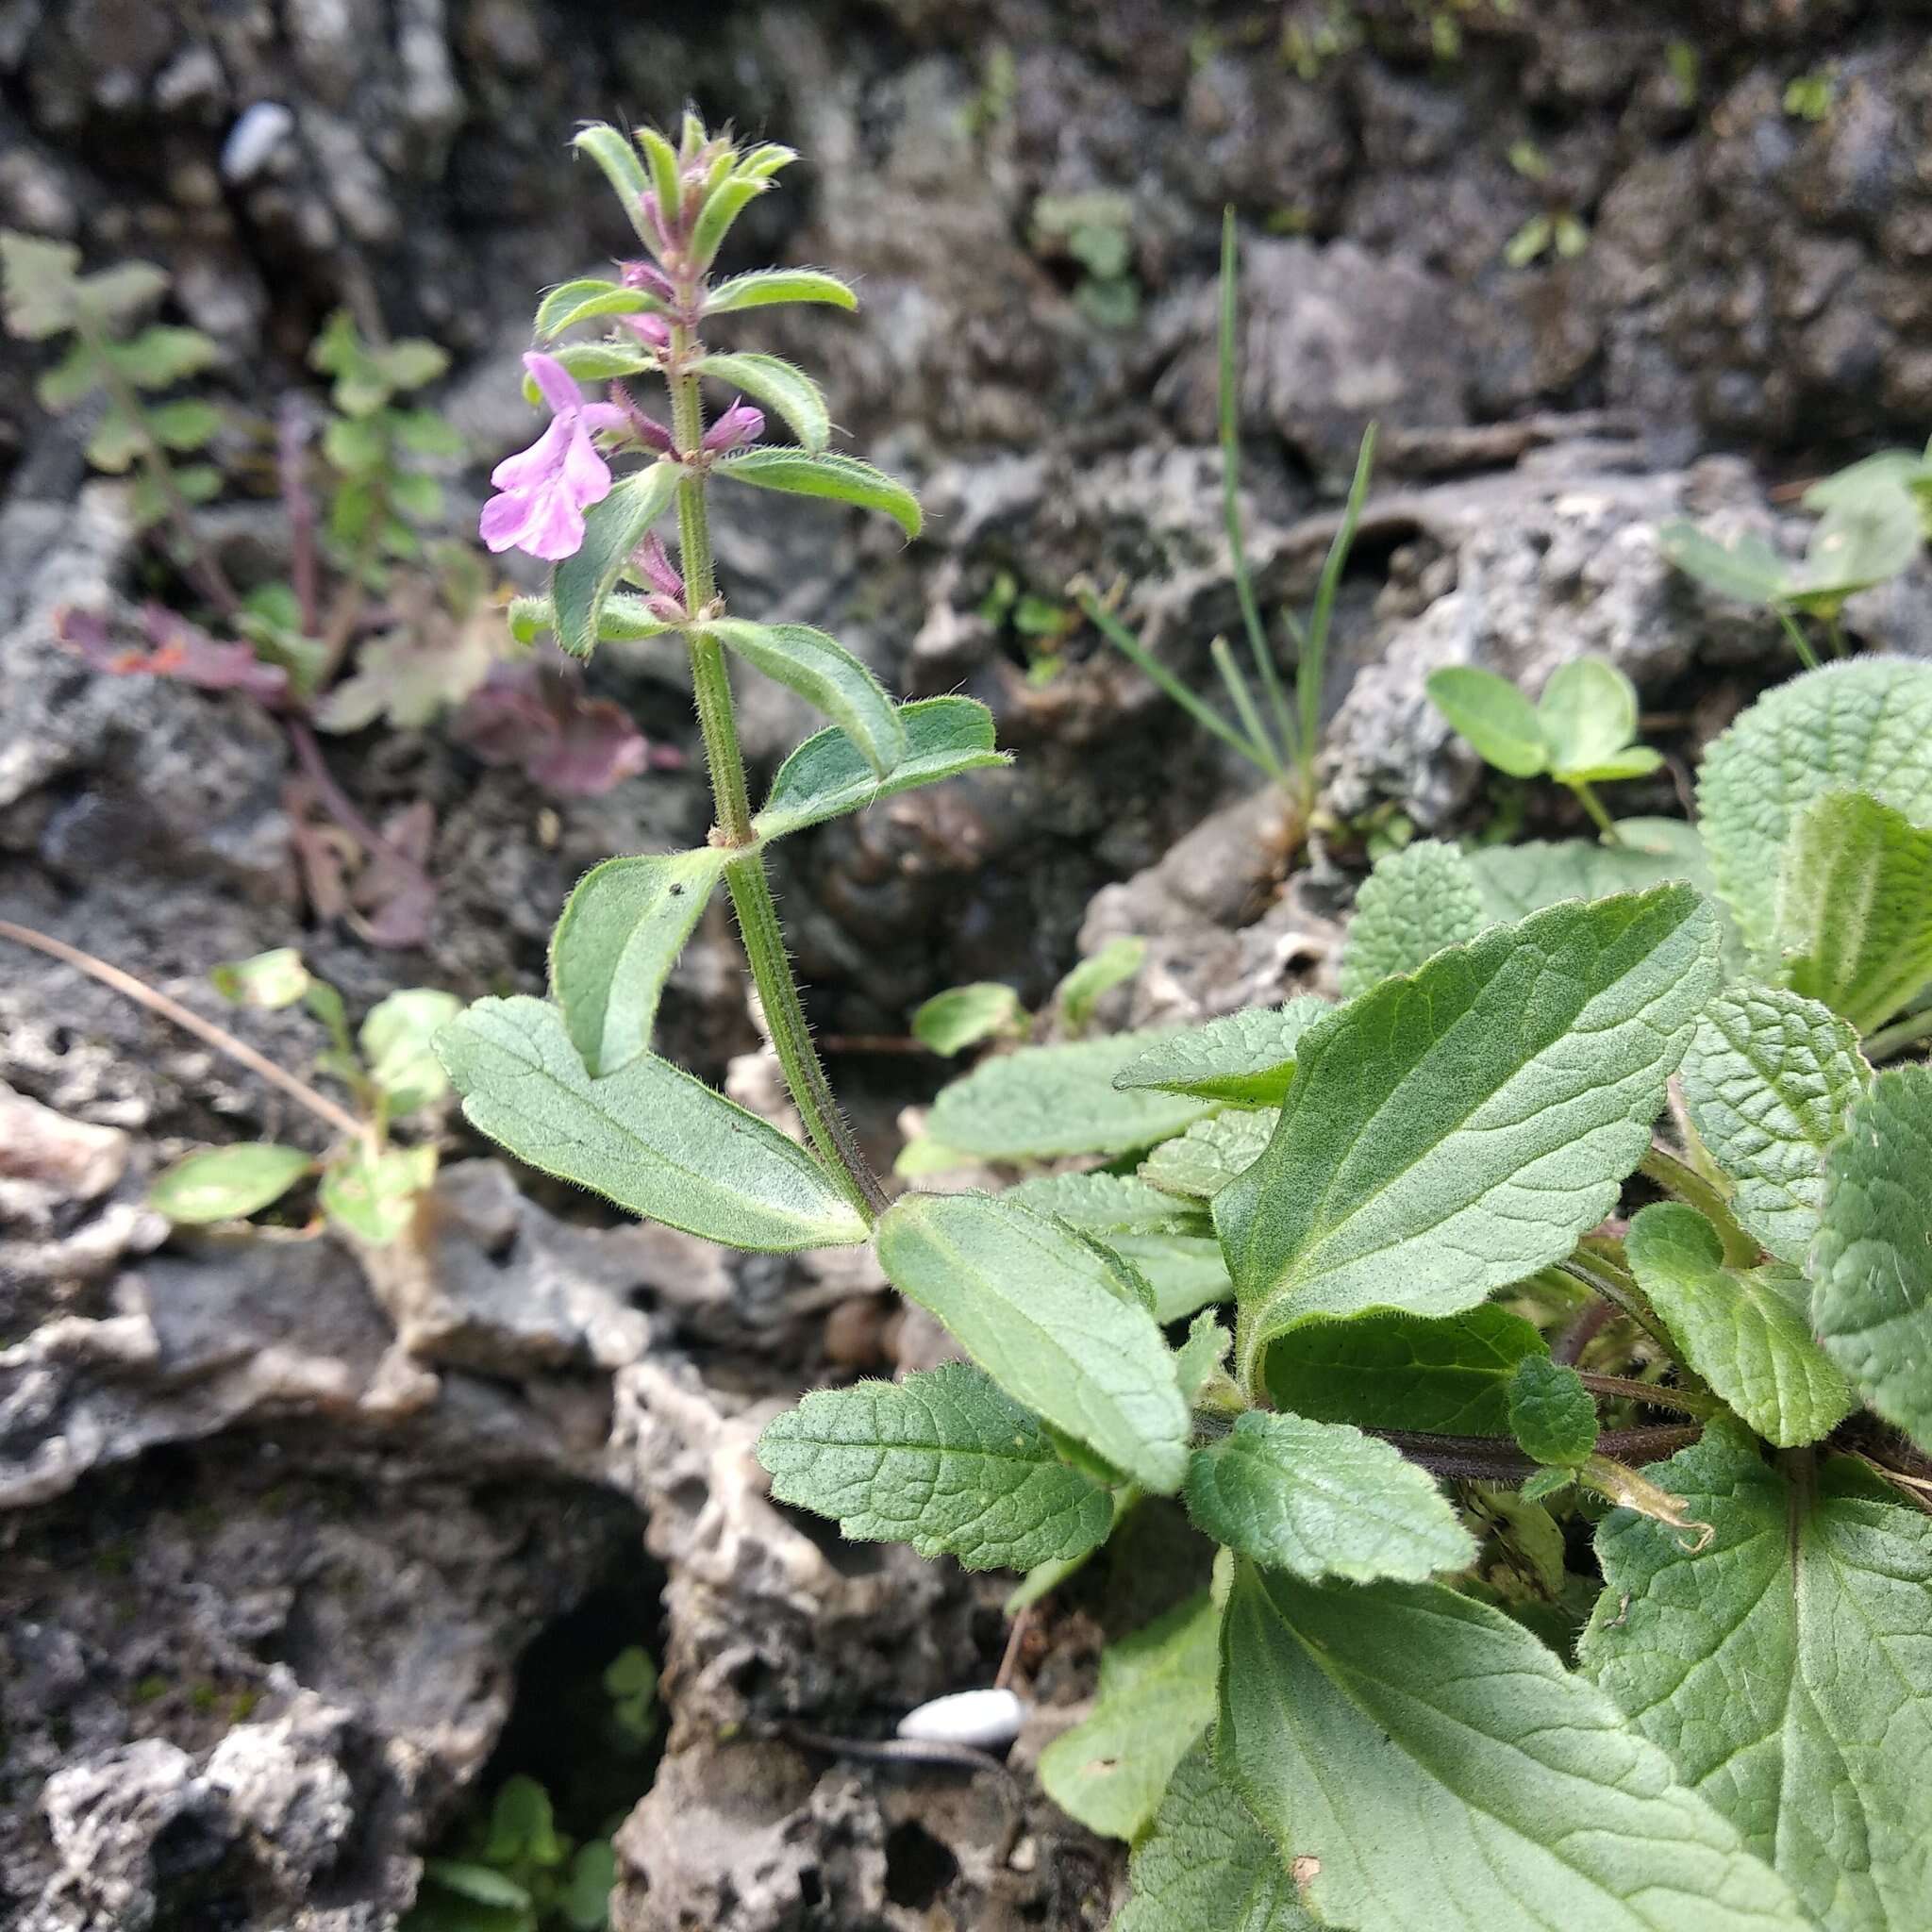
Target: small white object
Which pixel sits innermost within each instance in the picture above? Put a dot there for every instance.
(985, 1718)
(260, 130)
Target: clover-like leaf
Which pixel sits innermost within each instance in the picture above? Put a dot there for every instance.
(1747, 569)
(648, 1137)
(1782, 1666)
(1415, 902)
(1046, 1317)
(828, 676)
(1747, 1331)
(227, 1183)
(1322, 1499)
(1588, 713)
(612, 530)
(837, 479)
(396, 1045)
(1452, 1132)
(1413, 1750)
(941, 1461)
(1246, 1059)
(1495, 716)
(1552, 1414)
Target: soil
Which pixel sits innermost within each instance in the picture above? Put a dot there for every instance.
(300, 1555)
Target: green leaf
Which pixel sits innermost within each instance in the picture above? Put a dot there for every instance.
(1185, 1270)
(1872, 1264)
(721, 209)
(1197, 1361)
(1746, 569)
(661, 158)
(428, 433)
(1198, 1164)
(1588, 713)
(117, 440)
(77, 375)
(376, 1195)
(1155, 1699)
(1428, 1756)
(1858, 543)
(620, 933)
(266, 980)
(111, 295)
(826, 675)
(1082, 990)
(1782, 1668)
(962, 1016)
(227, 1183)
(1044, 1102)
(1854, 920)
(586, 1902)
(1108, 1204)
(1493, 715)
(1416, 902)
(765, 286)
(37, 283)
(1862, 726)
(395, 1042)
(1768, 1077)
(480, 1884)
(1746, 1331)
(1517, 881)
(596, 362)
(618, 160)
(161, 356)
(648, 1137)
(1205, 1865)
(773, 381)
(842, 478)
(1450, 1376)
(411, 362)
(1048, 1319)
(1551, 1413)
(1246, 1059)
(941, 1461)
(1452, 1132)
(1322, 1499)
(1637, 762)
(585, 300)
(612, 530)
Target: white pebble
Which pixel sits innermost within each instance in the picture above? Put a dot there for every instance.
(983, 1718)
(260, 131)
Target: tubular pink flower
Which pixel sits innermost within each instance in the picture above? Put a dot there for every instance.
(739, 425)
(651, 331)
(651, 558)
(546, 488)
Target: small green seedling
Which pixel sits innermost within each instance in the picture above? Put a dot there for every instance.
(1556, 232)
(518, 1872)
(1581, 732)
(1096, 231)
(964, 1016)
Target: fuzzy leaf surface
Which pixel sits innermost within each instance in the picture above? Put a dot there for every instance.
(941, 1461)
(1046, 1101)
(1787, 1670)
(1416, 902)
(1322, 1499)
(1450, 1375)
(1246, 1059)
(1108, 1204)
(1872, 1264)
(1768, 1077)
(1517, 881)
(1156, 1698)
(1185, 1270)
(837, 479)
(773, 381)
(827, 776)
(1452, 1132)
(613, 529)
(1862, 726)
(648, 1137)
(620, 935)
(1746, 1331)
(828, 676)
(1044, 1316)
(1196, 1165)
(760, 288)
(1855, 907)
(1551, 1413)
(1450, 1775)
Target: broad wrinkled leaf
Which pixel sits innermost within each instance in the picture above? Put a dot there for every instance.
(1746, 569)
(649, 1137)
(941, 1461)
(1746, 1331)
(408, 676)
(827, 776)
(773, 381)
(1495, 716)
(1450, 1133)
(1768, 1077)
(1517, 881)
(1588, 712)
(396, 1049)
(1322, 1499)
(375, 1195)
(612, 530)
(620, 935)
(1083, 988)
(828, 676)
(1044, 1102)
(1855, 907)
(1784, 1669)
(1862, 726)
(962, 1016)
(1246, 1059)
(227, 1183)
(1551, 1413)
(1872, 1262)
(840, 479)
(1212, 1154)
(1108, 1204)
(1205, 1865)
(1416, 902)
(1155, 1699)
(1428, 1756)
(762, 287)
(1045, 1317)
(1450, 1376)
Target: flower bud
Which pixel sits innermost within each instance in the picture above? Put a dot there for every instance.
(739, 425)
(650, 277)
(651, 558)
(647, 429)
(651, 331)
(667, 609)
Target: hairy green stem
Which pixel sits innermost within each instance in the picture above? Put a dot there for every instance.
(1598, 1273)
(1627, 1388)
(1800, 643)
(1585, 796)
(745, 877)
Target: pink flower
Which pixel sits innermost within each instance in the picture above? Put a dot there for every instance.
(546, 488)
